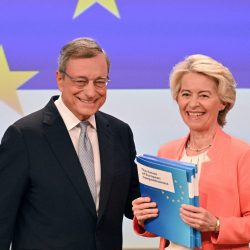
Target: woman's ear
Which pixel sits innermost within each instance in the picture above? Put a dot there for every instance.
(222, 106)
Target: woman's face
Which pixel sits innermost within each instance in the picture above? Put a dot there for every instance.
(198, 102)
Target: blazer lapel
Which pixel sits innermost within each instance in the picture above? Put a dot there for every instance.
(59, 140)
(106, 146)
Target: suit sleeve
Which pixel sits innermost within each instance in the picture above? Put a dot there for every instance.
(13, 181)
(134, 191)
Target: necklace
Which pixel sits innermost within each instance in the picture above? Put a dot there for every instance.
(198, 149)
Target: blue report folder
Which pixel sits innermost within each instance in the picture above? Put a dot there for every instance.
(169, 183)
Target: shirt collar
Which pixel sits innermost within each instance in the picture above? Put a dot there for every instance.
(69, 118)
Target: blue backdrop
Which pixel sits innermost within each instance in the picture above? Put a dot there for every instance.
(143, 38)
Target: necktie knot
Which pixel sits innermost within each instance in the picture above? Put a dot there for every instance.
(83, 135)
(83, 125)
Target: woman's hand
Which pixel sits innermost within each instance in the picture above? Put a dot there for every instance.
(198, 218)
(144, 209)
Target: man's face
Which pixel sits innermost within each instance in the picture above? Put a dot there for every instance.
(83, 101)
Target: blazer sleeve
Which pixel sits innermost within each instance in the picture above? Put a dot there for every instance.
(140, 230)
(13, 181)
(235, 229)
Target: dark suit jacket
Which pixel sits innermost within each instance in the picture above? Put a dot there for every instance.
(45, 202)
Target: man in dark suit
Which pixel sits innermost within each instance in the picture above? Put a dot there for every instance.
(45, 198)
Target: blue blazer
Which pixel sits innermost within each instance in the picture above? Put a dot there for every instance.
(45, 202)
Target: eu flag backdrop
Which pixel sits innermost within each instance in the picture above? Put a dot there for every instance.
(144, 39)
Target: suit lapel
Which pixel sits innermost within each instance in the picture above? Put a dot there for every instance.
(106, 146)
(59, 140)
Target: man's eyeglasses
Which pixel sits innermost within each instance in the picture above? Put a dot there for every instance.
(100, 82)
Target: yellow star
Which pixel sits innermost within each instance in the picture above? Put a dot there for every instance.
(10, 81)
(110, 5)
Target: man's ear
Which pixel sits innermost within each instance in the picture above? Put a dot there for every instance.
(59, 80)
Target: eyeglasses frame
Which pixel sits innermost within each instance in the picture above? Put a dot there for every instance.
(77, 80)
